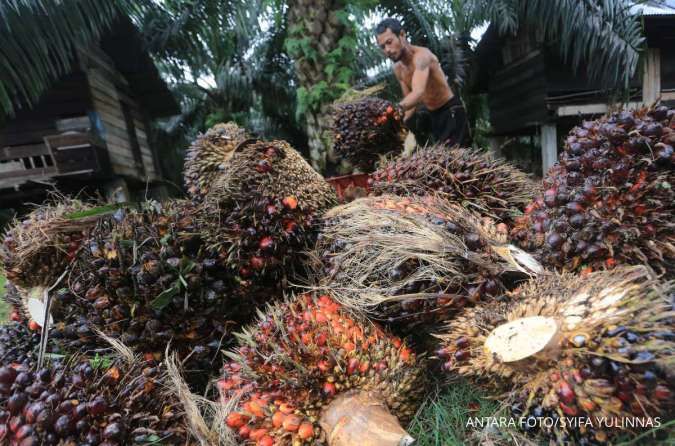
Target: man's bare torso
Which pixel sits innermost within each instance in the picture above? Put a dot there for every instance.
(438, 91)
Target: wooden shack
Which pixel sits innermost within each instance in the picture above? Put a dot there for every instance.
(533, 93)
(90, 130)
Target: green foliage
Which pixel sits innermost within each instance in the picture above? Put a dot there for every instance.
(38, 39)
(338, 64)
(604, 37)
(102, 362)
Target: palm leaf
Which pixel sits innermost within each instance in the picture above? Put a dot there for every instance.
(602, 35)
(38, 39)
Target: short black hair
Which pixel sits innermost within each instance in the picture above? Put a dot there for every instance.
(393, 24)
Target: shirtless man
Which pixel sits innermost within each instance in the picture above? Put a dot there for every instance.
(423, 82)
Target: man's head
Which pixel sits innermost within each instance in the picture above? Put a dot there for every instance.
(391, 38)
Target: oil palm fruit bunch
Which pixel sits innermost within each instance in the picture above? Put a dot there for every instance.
(600, 346)
(610, 200)
(207, 156)
(261, 212)
(415, 260)
(148, 280)
(91, 402)
(334, 379)
(35, 250)
(468, 177)
(365, 129)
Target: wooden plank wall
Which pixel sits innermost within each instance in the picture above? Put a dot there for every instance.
(68, 97)
(516, 94)
(108, 90)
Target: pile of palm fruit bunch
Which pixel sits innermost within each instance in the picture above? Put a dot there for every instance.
(261, 208)
(610, 200)
(471, 178)
(366, 129)
(184, 272)
(410, 261)
(598, 347)
(132, 275)
(87, 402)
(147, 280)
(334, 379)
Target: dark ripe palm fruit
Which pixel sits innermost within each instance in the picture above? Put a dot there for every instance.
(19, 348)
(366, 129)
(614, 182)
(35, 250)
(12, 296)
(599, 345)
(127, 393)
(148, 279)
(261, 222)
(206, 157)
(411, 261)
(468, 177)
(323, 357)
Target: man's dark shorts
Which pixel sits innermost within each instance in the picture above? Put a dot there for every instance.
(449, 123)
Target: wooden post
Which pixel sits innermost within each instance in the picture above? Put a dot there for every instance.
(651, 76)
(496, 146)
(549, 146)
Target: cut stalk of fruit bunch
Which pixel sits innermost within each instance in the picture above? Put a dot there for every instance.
(568, 346)
(334, 378)
(415, 260)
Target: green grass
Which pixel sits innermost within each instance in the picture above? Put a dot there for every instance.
(442, 420)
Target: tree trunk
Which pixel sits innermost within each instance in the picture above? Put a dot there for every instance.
(317, 19)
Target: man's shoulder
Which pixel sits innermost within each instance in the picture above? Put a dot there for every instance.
(423, 55)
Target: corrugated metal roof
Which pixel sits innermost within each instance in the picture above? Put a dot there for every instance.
(654, 7)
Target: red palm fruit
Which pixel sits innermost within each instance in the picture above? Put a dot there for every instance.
(307, 381)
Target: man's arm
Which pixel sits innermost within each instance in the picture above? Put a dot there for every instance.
(419, 83)
(406, 91)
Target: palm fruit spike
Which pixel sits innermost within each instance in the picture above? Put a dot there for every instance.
(365, 129)
(468, 177)
(601, 345)
(415, 260)
(35, 250)
(147, 279)
(262, 211)
(206, 157)
(610, 200)
(327, 366)
(108, 402)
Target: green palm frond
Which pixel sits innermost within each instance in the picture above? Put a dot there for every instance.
(38, 39)
(604, 36)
